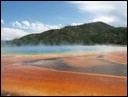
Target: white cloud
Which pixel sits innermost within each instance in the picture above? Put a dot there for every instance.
(35, 27)
(102, 7)
(105, 9)
(112, 20)
(75, 24)
(95, 6)
(26, 23)
(17, 24)
(2, 21)
(19, 29)
(105, 19)
(38, 26)
(54, 26)
(11, 33)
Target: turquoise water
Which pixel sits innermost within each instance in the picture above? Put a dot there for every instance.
(43, 49)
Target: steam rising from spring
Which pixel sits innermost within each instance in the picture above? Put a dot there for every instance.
(45, 49)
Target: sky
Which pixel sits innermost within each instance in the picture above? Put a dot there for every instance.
(19, 18)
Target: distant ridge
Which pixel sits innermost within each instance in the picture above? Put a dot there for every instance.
(86, 34)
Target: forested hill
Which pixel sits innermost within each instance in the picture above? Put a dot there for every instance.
(86, 34)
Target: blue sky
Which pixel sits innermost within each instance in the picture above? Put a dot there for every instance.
(52, 12)
(19, 18)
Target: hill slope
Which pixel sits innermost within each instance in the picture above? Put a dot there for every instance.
(86, 34)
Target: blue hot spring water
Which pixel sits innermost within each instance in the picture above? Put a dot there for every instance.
(45, 49)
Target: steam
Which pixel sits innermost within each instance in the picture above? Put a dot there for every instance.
(48, 49)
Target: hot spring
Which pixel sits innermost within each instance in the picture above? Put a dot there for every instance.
(45, 49)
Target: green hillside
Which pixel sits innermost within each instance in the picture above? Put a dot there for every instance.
(86, 34)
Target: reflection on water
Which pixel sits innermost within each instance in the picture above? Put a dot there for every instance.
(59, 49)
(106, 67)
